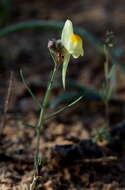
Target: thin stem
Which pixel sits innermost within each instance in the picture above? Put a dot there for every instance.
(46, 98)
(34, 182)
(41, 119)
(106, 97)
(37, 151)
(106, 64)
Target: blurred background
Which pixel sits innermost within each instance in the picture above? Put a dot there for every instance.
(27, 49)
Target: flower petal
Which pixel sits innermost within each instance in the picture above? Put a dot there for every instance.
(66, 33)
(64, 69)
(75, 46)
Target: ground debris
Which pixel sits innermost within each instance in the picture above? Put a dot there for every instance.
(87, 151)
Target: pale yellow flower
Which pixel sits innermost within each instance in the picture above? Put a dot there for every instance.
(72, 44)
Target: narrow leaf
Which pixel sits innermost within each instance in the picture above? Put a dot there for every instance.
(112, 71)
(29, 125)
(29, 90)
(64, 108)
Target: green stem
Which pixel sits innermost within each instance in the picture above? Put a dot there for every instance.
(46, 98)
(106, 65)
(107, 88)
(41, 118)
(37, 151)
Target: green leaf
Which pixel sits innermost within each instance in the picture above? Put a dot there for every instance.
(29, 125)
(66, 97)
(112, 71)
(29, 90)
(63, 109)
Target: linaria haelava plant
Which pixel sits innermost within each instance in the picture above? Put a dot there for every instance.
(102, 136)
(110, 73)
(61, 50)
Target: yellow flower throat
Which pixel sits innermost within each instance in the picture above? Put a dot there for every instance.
(75, 38)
